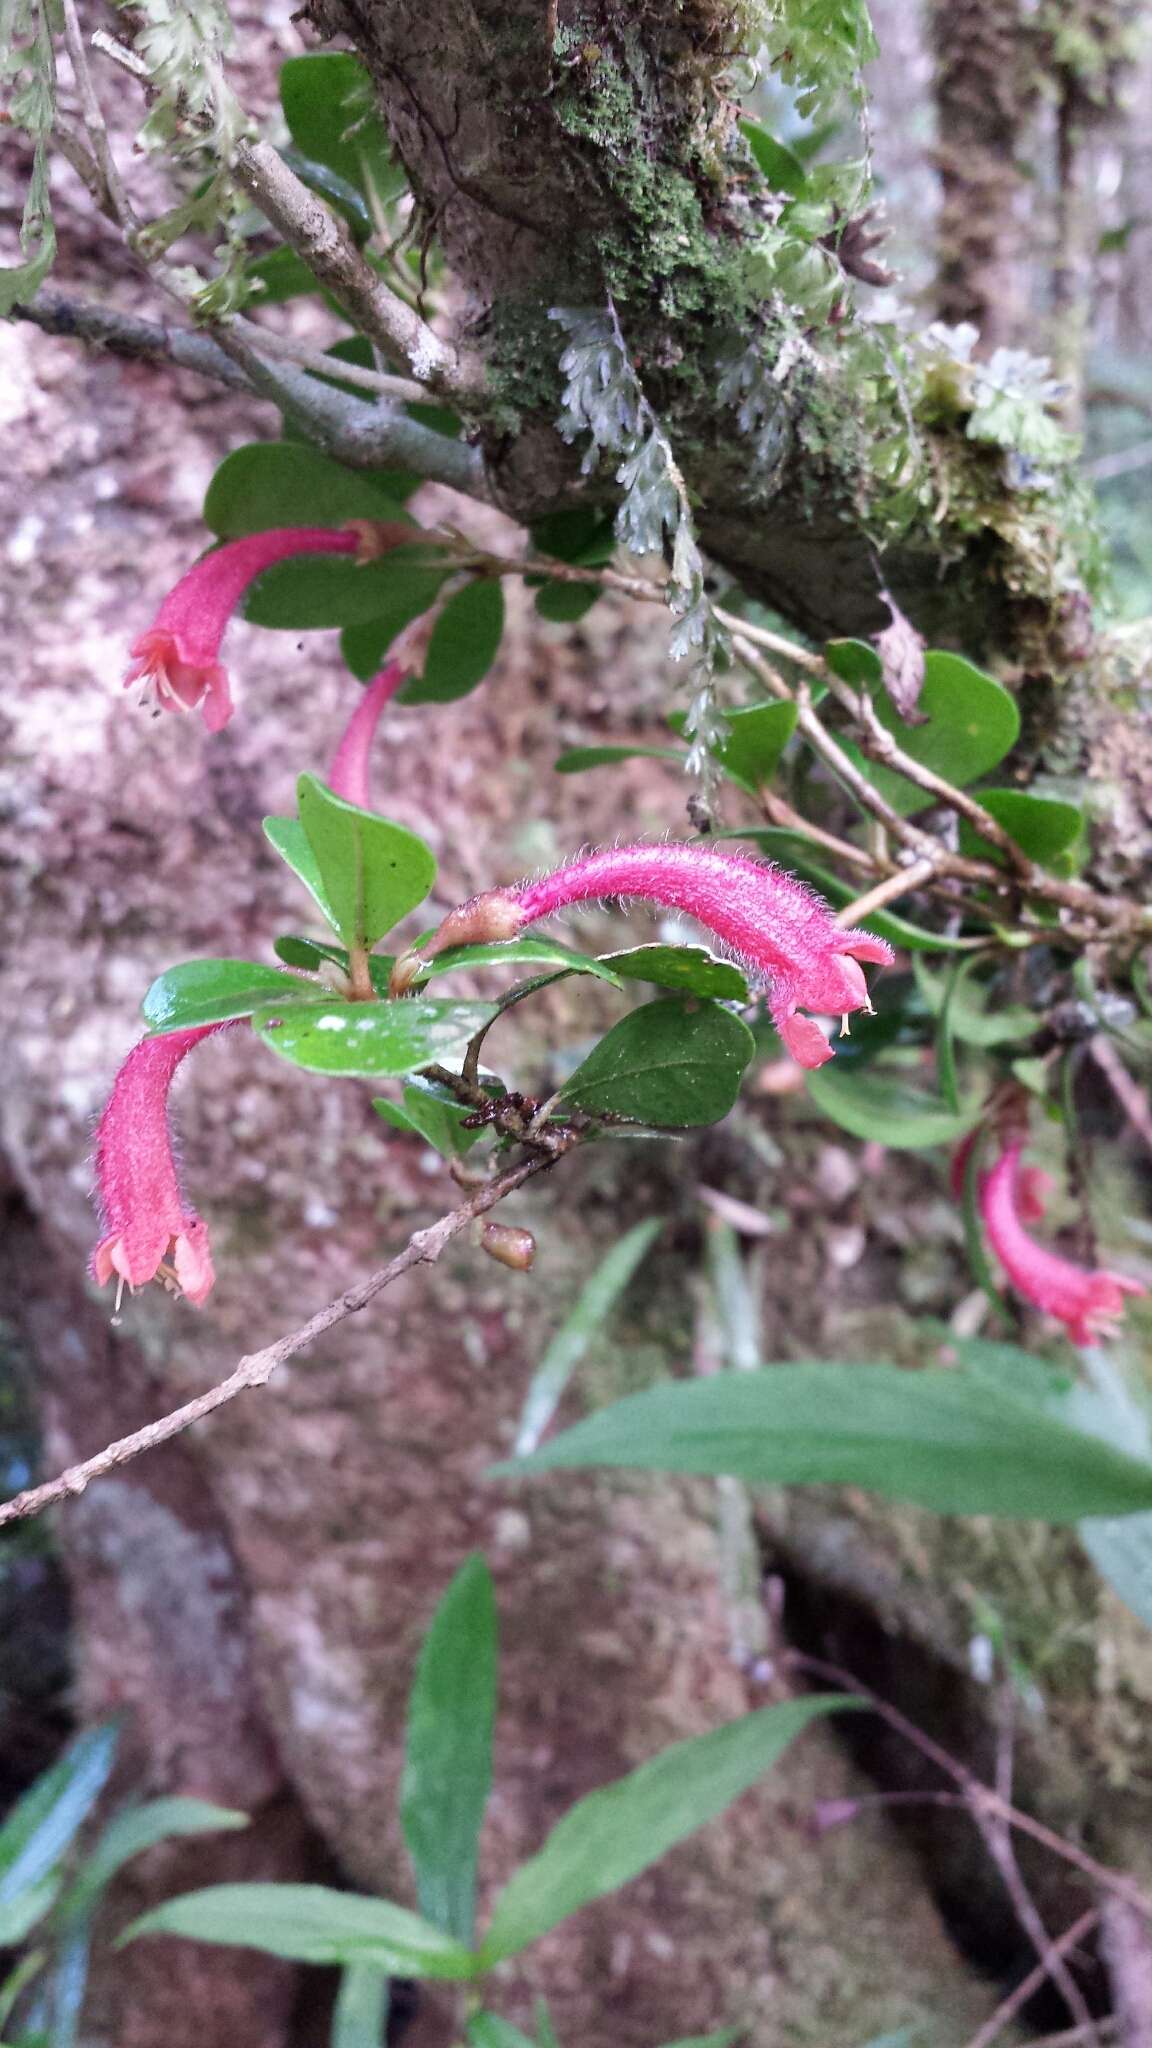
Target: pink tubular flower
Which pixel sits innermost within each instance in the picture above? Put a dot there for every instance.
(1088, 1302)
(177, 658)
(778, 926)
(149, 1231)
(348, 775)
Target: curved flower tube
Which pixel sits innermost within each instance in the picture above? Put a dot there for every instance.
(177, 658)
(149, 1231)
(1088, 1301)
(348, 775)
(779, 927)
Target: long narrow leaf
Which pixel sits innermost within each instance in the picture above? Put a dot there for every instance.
(615, 1833)
(448, 1760)
(360, 2017)
(595, 1302)
(49, 1816)
(309, 1923)
(949, 1440)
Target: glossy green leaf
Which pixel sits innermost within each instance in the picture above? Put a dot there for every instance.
(317, 593)
(448, 1751)
(855, 662)
(595, 1302)
(690, 970)
(372, 872)
(288, 483)
(281, 275)
(45, 1821)
(138, 1829)
(310, 954)
(464, 644)
(1045, 827)
(409, 589)
(779, 164)
(952, 1441)
(884, 1108)
(488, 2030)
(373, 1040)
(309, 1923)
(610, 1837)
(584, 535)
(575, 760)
(330, 110)
(293, 845)
(971, 723)
(209, 991)
(433, 1114)
(676, 1063)
(360, 2014)
(565, 603)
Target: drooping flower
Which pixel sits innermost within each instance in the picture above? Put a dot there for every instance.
(779, 927)
(1088, 1301)
(1033, 1185)
(177, 658)
(348, 775)
(149, 1230)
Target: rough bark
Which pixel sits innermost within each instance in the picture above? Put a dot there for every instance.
(564, 154)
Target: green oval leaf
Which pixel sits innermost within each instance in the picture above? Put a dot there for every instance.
(291, 842)
(372, 872)
(287, 483)
(676, 1063)
(614, 1834)
(1044, 827)
(211, 991)
(952, 1441)
(406, 591)
(464, 644)
(690, 970)
(970, 724)
(877, 1106)
(372, 1039)
(564, 603)
(756, 738)
(308, 1923)
(330, 111)
(448, 1751)
(433, 1114)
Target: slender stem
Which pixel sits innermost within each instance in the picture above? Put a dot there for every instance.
(117, 204)
(270, 344)
(423, 1247)
(324, 243)
(1016, 2000)
(887, 891)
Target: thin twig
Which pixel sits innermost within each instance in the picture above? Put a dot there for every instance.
(1129, 1094)
(362, 435)
(422, 1248)
(116, 205)
(324, 243)
(120, 54)
(980, 1797)
(403, 389)
(887, 891)
(1028, 1986)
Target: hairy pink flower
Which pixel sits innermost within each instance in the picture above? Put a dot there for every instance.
(779, 927)
(1089, 1302)
(178, 657)
(149, 1231)
(348, 775)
